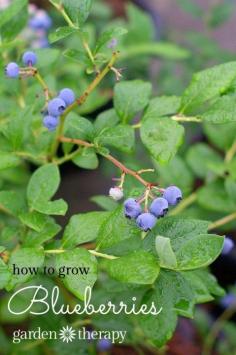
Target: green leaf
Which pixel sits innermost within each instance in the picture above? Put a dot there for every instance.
(60, 33)
(199, 157)
(86, 158)
(78, 258)
(120, 137)
(58, 207)
(220, 13)
(199, 252)
(203, 284)
(116, 228)
(78, 127)
(30, 258)
(78, 10)
(177, 230)
(83, 228)
(214, 197)
(105, 202)
(208, 84)
(106, 119)
(139, 267)
(77, 56)
(176, 172)
(221, 136)
(35, 239)
(12, 202)
(18, 128)
(34, 220)
(8, 160)
(12, 10)
(222, 111)
(159, 328)
(165, 253)
(108, 35)
(162, 106)
(159, 49)
(4, 274)
(42, 186)
(161, 136)
(130, 97)
(46, 56)
(230, 187)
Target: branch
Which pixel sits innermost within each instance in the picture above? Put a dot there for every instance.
(222, 221)
(81, 100)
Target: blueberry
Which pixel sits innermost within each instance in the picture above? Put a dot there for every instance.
(29, 58)
(116, 193)
(12, 70)
(40, 21)
(173, 195)
(132, 208)
(228, 300)
(67, 95)
(228, 246)
(56, 107)
(50, 122)
(146, 221)
(159, 207)
(104, 345)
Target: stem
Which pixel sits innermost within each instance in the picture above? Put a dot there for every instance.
(66, 157)
(94, 252)
(137, 125)
(81, 100)
(105, 256)
(222, 221)
(43, 84)
(180, 118)
(217, 326)
(185, 203)
(117, 163)
(231, 152)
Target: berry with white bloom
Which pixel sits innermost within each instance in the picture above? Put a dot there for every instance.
(116, 193)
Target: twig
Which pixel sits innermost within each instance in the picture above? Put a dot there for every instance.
(222, 221)
(81, 100)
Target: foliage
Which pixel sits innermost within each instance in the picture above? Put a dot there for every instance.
(169, 264)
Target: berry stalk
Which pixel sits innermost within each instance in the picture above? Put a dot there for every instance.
(117, 163)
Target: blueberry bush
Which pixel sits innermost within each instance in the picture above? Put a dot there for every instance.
(49, 96)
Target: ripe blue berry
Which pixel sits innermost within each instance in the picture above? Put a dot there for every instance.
(228, 246)
(132, 208)
(56, 107)
(146, 221)
(173, 195)
(228, 300)
(12, 70)
(104, 345)
(50, 122)
(67, 95)
(159, 207)
(29, 58)
(40, 21)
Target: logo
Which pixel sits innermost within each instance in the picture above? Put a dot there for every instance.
(67, 334)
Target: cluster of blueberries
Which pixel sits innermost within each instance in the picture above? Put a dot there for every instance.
(39, 24)
(12, 69)
(158, 208)
(56, 107)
